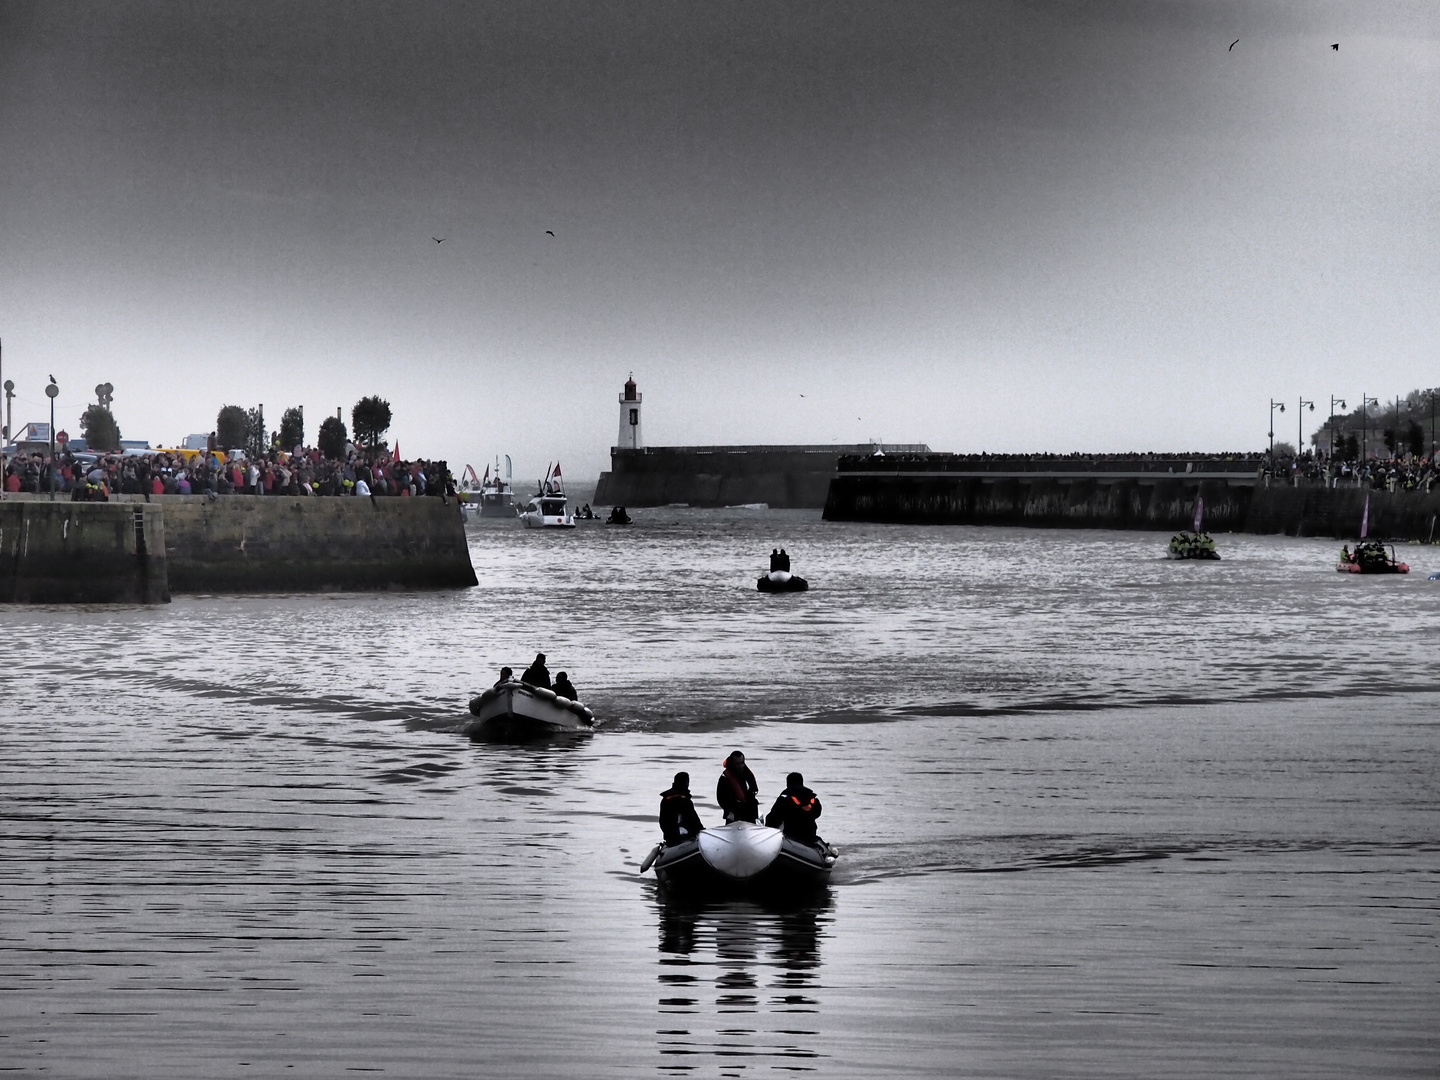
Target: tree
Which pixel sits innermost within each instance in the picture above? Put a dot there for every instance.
(98, 426)
(256, 444)
(332, 438)
(371, 417)
(1390, 440)
(232, 425)
(1415, 437)
(1348, 447)
(292, 429)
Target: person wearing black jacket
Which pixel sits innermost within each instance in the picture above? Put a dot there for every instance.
(736, 791)
(537, 674)
(795, 810)
(678, 819)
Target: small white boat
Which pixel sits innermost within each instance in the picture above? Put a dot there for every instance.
(547, 512)
(741, 856)
(548, 508)
(520, 707)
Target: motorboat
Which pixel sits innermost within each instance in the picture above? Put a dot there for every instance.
(741, 856)
(1192, 545)
(546, 512)
(781, 581)
(488, 496)
(520, 707)
(1370, 557)
(548, 508)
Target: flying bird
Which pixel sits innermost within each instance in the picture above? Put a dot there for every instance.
(549, 233)
(439, 239)
(1233, 44)
(1336, 46)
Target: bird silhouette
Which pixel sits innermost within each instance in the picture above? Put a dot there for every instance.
(52, 378)
(1233, 44)
(439, 239)
(1336, 46)
(549, 233)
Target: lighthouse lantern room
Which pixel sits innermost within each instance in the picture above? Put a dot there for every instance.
(630, 437)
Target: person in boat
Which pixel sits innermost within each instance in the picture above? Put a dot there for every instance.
(563, 687)
(774, 559)
(1345, 554)
(795, 810)
(537, 674)
(678, 817)
(506, 675)
(736, 791)
(784, 561)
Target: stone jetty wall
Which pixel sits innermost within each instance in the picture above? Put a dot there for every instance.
(784, 477)
(94, 553)
(245, 543)
(230, 544)
(1158, 495)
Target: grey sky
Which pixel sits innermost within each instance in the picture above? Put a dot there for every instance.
(986, 226)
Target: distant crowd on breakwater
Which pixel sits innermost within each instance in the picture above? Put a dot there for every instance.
(303, 472)
(1378, 474)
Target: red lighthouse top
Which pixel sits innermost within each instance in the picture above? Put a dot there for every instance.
(630, 388)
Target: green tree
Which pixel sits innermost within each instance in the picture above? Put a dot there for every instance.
(98, 426)
(1415, 438)
(292, 429)
(256, 444)
(1390, 440)
(371, 417)
(232, 426)
(332, 438)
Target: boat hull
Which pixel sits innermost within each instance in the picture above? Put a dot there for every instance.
(778, 581)
(1372, 568)
(1198, 556)
(742, 858)
(519, 707)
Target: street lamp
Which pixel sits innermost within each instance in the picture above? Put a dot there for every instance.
(1300, 426)
(52, 391)
(1364, 431)
(1333, 402)
(1273, 406)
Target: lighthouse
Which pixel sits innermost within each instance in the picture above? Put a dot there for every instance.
(630, 437)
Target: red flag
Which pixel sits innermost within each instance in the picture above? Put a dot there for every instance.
(397, 450)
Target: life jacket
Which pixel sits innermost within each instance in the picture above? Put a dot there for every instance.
(808, 806)
(737, 787)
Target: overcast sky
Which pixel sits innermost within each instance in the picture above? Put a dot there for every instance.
(1003, 226)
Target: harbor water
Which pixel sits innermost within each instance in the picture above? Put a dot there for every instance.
(1100, 815)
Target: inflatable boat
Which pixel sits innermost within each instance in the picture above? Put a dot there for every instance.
(1370, 557)
(781, 581)
(520, 707)
(741, 857)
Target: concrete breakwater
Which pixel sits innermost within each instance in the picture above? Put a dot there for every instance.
(99, 553)
(1117, 493)
(238, 544)
(788, 477)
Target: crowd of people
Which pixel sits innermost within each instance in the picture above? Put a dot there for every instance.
(1379, 474)
(304, 472)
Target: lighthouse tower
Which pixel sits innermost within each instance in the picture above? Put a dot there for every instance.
(630, 437)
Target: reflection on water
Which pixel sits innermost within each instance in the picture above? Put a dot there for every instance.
(736, 980)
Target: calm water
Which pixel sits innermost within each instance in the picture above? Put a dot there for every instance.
(1100, 814)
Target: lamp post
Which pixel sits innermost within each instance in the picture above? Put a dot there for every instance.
(1300, 426)
(52, 391)
(1333, 402)
(1398, 454)
(1273, 406)
(1364, 429)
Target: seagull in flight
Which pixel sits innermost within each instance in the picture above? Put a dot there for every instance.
(1336, 46)
(1233, 44)
(549, 233)
(439, 239)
